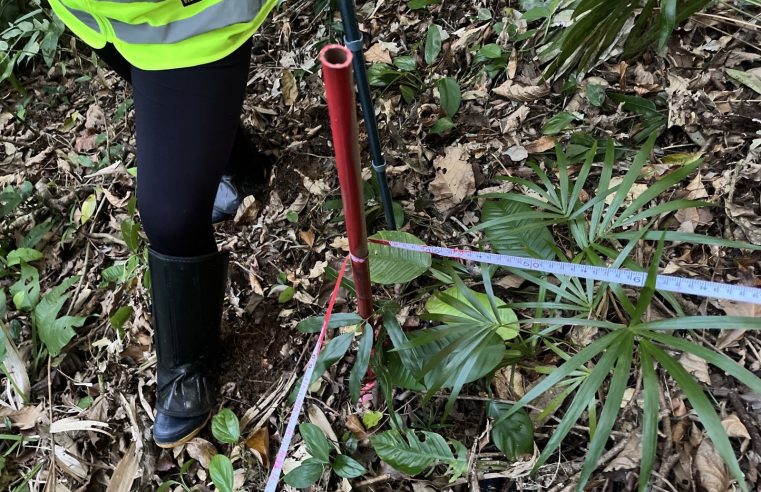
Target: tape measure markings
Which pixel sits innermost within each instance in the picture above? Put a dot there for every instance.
(670, 283)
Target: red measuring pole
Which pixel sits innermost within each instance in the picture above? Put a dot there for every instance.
(339, 86)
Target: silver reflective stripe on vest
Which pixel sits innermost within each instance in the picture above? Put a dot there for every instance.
(85, 18)
(222, 14)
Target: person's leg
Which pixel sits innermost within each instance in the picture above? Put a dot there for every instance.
(245, 171)
(186, 122)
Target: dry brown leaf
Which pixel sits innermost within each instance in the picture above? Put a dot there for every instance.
(95, 118)
(454, 180)
(259, 444)
(14, 363)
(307, 236)
(510, 281)
(39, 158)
(514, 120)
(732, 308)
(523, 93)
(74, 465)
(25, 418)
(508, 384)
(696, 366)
(85, 142)
(629, 457)
(124, 475)
(711, 469)
(247, 211)
(734, 427)
(201, 450)
(377, 53)
(517, 153)
(341, 243)
(289, 87)
(540, 145)
(355, 426)
(679, 427)
(727, 338)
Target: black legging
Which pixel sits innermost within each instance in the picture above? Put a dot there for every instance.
(188, 134)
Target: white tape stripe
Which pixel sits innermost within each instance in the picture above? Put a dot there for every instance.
(290, 429)
(623, 276)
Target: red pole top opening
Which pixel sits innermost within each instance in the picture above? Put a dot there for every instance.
(335, 56)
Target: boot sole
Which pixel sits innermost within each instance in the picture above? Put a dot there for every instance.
(185, 439)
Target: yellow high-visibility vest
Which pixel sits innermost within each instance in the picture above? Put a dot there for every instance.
(165, 34)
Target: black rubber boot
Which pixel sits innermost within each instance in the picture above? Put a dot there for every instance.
(188, 293)
(241, 179)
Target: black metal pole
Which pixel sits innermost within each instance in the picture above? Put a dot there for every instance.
(353, 41)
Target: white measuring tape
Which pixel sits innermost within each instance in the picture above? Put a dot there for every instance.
(623, 276)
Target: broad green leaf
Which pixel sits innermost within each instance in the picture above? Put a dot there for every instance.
(114, 273)
(533, 240)
(225, 427)
(748, 79)
(25, 293)
(406, 63)
(347, 467)
(432, 44)
(332, 352)
(313, 324)
(371, 418)
(318, 445)
(513, 436)
(442, 125)
(421, 4)
(359, 369)
(451, 97)
(34, 236)
(88, 208)
(407, 453)
(286, 294)
(304, 475)
(130, 235)
(491, 51)
(25, 255)
(55, 332)
(508, 326)
(408, 93)
(396, 266)
(595, 94)
(120, 317)
(221, 471)
(382, 75)
(558, 123)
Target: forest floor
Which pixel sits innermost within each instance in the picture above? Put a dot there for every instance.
(72, 138)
